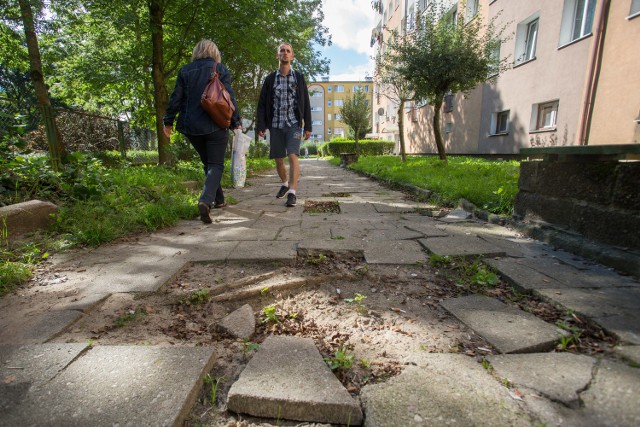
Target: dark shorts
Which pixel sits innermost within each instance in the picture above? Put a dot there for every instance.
(284, 142)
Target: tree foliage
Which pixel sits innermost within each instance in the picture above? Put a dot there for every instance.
(356, 113)
(442, 55)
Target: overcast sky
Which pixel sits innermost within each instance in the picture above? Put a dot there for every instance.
(350, 23)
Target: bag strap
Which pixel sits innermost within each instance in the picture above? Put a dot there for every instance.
(214, 70)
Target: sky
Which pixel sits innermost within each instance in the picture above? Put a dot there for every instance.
(350, 23)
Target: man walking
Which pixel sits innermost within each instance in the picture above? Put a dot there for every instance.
(284, 109)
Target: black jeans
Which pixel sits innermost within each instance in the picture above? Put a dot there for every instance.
(211, 148)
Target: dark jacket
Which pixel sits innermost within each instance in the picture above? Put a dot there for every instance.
(185, 99)
(265, 103)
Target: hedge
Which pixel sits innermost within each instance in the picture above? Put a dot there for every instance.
(368, 147)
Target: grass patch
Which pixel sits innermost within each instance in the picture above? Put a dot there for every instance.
(490, 185)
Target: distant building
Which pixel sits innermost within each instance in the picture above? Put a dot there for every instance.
(327, 99)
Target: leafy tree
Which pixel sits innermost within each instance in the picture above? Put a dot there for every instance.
(442, 56)
(396, 89)
(356, 113)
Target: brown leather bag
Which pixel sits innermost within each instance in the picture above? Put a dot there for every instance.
(216, 100)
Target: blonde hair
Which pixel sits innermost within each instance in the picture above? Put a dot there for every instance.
(206, 49)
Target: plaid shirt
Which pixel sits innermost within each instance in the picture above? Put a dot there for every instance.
(284, 101)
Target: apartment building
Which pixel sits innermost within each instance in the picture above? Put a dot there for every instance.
(327, 99)
(572, 79)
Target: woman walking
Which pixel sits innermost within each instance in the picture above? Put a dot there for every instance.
(208, 139)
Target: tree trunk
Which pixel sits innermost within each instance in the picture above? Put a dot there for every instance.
(436, 130)
(160, 97)
(56, 146)
(403, 151)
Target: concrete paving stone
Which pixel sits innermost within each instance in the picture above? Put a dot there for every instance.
(521, 276)
(266, 251)
(81, 302)
(630, 353)
(212, 251)
(625, 326)
(395, 234)
(241, 323)
(612, 398)
(513, 246)
(118, 385)
(426, 227)
(354, 208)
(444, 389)
(407, 252)
(37, 329)
(462, 246)
(241, 234)
(558, 376)
(23, 367)
(287, 379)
(508, 329)
(596, 302)
(395, 207)
(297, 232)
(314, 247)
(457, 214)
(479, 228)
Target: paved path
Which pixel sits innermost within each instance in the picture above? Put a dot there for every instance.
(74, 384)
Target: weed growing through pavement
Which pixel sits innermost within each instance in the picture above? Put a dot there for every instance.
(248, 347)
(358, 298)
(486, 365)
(213, 383)
(270, 315)
(264, 291)
(439, 261)
(129, 317)
(315, 261)
(342, 360)
(199, 296)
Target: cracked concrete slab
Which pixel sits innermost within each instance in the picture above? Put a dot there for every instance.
(508, 329)
(288, 379)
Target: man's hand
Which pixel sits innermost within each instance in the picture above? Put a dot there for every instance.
(307, 134)
(167, 131)
(261, 133)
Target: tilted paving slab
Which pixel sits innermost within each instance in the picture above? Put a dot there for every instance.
(23, 367)
(558, 376)
(118, 385)
(394, 252)
(265, 251)
(522, 276)
(241, 323)
(629, 352)
(463, 246)
(443, 389)
(617, 310)
(612, 398)
(38, 328)
(508, 329)
(425, 227)
(287, 379)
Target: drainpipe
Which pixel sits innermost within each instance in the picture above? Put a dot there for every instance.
(595, 62)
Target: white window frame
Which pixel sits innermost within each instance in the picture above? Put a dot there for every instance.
(448, 127)
(541, 112)
(577, 20)
(338, 131)
(497, 119)
(316, 108)
(339, 88)
(634, 10)
(472, 9)
(527, 39)
(338, 103)
(316, 123)
(495, 61)
(329, 117)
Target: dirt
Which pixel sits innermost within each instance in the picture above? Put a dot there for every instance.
(378, 314)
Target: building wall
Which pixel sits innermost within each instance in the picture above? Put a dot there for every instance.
(325, 95)
(616, 112)
(559, 72)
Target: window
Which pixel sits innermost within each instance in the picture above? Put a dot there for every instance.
(316, 108)
(338, 117)
(317, 94)
(316, 122)
(500, 123)
(329, 103)
(472, 9)
(448, 127)
(526, 39)
(494, 57)
(339, 88)
(329, 131)
(329, 88)
(338, 131)
(577, 20)
(366, 89)
(544, 115)
(635, 8)
(452, 15)
(329, 116)
(338, 103)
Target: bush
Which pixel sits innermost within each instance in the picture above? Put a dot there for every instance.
(368, 147)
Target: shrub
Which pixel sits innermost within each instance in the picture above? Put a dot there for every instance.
(368, 147)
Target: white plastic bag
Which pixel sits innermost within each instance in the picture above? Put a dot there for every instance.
(241, 143)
